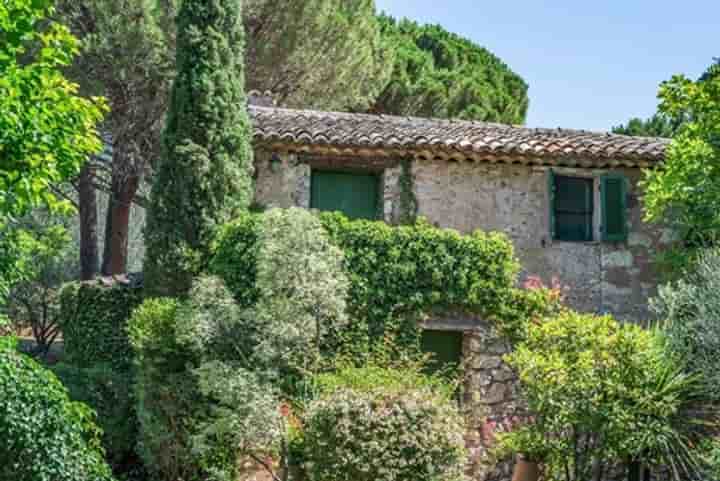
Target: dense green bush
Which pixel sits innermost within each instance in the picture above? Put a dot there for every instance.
(165, 395)
(108, 393)
(600, 394)
(399, 428)
(93, 319)
(689, 310)
(45, 436)
(396, 274)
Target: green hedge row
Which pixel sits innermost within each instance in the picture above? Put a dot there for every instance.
(396, 273)
(93, 319)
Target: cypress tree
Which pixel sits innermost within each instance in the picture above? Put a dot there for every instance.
(205, 171)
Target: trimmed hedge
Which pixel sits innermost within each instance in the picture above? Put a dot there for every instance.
(396, 273)
(93, 319)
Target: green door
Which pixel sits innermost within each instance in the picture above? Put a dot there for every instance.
(445, 347)
(355, 195)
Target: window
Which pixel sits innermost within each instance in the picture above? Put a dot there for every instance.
(445, 346)
(572, 208)
(355, 195)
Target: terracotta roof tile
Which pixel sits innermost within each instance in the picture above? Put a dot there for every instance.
(314, 131)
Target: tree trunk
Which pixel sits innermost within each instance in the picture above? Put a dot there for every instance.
(117, 227)
(89, 255)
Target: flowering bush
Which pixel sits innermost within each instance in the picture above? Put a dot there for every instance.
(601, 393)
(383, 424)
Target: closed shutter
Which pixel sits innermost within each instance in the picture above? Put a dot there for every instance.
(551, 196)
(614, 208)
(355, 195)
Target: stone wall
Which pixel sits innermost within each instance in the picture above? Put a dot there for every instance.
(600, 277)
(490, 393)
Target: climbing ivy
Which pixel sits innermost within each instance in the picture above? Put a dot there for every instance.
(93, 319)
(397, 274)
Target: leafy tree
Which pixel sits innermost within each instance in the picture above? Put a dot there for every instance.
(126, 55)
(440, 74)
(34, 301)
(656, 126)
(46, 129)
(685, 192)
(322, 54)
(204, 176)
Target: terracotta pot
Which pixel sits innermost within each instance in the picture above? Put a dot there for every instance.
(526, 470)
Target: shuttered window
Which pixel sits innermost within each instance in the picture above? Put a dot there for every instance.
(613, 192)
(355, 195)
(572, 208)
(445, 348)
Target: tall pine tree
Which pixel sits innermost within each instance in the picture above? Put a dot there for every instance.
(205, 174)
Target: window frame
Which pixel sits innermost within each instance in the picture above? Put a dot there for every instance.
(593, 212)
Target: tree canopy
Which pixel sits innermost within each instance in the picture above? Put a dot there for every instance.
(323, 54)
(440, 74)
(656, 126)
(685, 193)
(46, 129)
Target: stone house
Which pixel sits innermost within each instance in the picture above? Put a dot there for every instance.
(569, 200)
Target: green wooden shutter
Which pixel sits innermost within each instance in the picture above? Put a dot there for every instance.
(551, 197)
(355, 195)
(614, 208)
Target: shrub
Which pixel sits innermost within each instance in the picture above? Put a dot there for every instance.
(165, 395)
(93, 320)
(689, 310)
(396, 274)
(44, 434)
(108, 393)
(389, 431)
(302, 289)
(601, 393)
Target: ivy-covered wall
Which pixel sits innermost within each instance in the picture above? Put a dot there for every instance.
(398, 275)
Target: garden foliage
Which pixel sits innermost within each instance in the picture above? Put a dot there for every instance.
(93, 318)
(45, 436)
(689, 310)
(382, 424)
(396, 274)
(209, 372)
(205, 172)
(602, 393)
(108, 392)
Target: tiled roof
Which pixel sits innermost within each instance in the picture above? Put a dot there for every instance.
(381, 135)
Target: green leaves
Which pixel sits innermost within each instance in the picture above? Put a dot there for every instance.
(685, 191)
(45, 435)
(440, 74)
(602, 392)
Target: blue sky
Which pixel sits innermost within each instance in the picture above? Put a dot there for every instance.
(590, 65)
